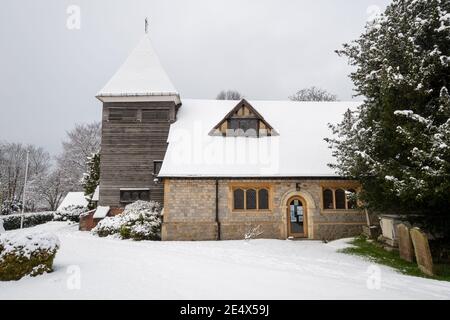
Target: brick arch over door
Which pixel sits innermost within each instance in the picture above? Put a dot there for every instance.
(310, 207)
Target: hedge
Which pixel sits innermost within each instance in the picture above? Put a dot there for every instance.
(12, 221)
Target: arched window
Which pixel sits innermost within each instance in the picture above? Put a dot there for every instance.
(340, 199)
(263, 199)
(351, 199)
(328, 199)
(238, 196)
(251, 199)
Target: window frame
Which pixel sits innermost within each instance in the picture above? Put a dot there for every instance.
(123, 118)
(131, 190)
(259, 198)
(256, 188)
(239, 131)
(336, 200)
(159, 112)
(244, 193)
(323, 199)
(333, 189)
(155, 163)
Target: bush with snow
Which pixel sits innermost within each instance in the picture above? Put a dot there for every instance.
(12, 221)
(141, 220)
(10, 207)
(26, 254)
(70, 213)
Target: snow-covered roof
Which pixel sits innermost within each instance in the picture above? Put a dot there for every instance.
(73, 199)
(298, 151)
(101, 212)
(96, 195)
(141, 75)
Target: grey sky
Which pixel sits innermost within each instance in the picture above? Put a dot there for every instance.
(49, 74)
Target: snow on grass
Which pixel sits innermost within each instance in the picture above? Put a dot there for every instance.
(257, 269)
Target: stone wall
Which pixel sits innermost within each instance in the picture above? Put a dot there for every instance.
(190, 210)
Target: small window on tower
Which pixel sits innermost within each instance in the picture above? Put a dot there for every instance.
(122, 114)
(157, 164)
(155, 115)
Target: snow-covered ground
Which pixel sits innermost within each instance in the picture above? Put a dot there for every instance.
(88, 267)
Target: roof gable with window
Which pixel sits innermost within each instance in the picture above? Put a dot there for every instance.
(243, 120)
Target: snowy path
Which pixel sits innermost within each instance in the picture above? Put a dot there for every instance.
(259, 269)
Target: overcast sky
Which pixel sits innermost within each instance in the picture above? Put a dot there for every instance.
(50, 74)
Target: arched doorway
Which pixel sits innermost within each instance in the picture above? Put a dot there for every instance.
(297, 217)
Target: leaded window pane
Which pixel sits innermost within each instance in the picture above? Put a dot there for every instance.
(340, 199)
(238, 196)
(328, 199)
(251, 199)
(263, 199)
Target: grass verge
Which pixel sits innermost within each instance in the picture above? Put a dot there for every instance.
(376, 253)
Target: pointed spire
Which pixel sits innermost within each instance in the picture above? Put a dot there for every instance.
(146, 25)
(141, 75)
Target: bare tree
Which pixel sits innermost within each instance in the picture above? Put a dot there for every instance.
(47, 190)
(313, 94)
(229, 95)
(12, 169)
(81, 143)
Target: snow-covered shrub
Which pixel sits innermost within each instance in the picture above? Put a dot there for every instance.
(10, 207)
(141, 220)
(26, 254)
(70, 213)
(12, 221)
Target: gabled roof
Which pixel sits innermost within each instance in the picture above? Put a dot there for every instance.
(73, 199)
(141, 75)
(299, 149)
(242, 103)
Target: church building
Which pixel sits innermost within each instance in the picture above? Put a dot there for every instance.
(221, 168)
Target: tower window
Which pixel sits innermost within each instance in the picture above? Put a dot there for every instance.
(157, 164)
(155, 115)
(122, 114)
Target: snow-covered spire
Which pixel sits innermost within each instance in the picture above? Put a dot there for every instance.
(141, 76)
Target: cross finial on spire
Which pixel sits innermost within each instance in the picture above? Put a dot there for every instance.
(146, 25)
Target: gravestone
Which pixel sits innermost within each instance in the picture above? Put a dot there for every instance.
(404, 243)
(422, 251)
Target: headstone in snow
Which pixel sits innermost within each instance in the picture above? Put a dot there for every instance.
(422, 251)
(404, 243)
(2, 229)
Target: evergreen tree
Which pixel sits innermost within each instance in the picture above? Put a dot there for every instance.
(91, 178)
(397, 143)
